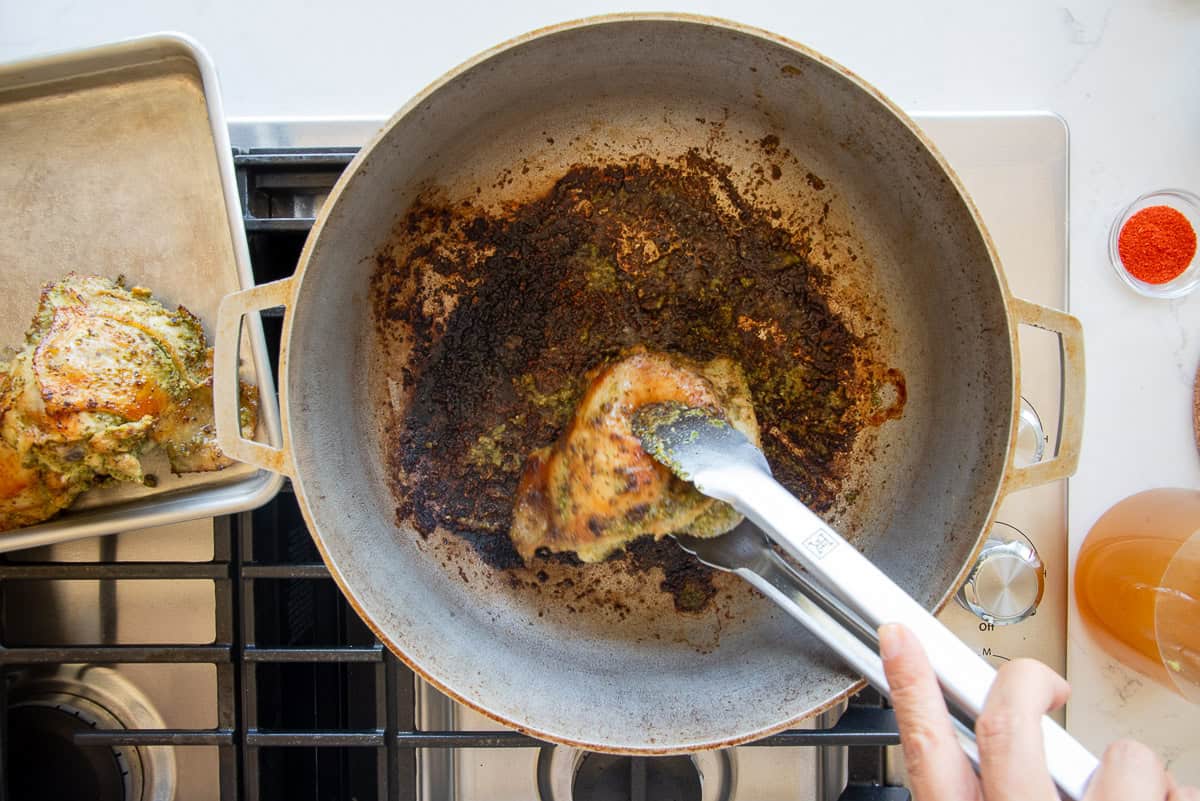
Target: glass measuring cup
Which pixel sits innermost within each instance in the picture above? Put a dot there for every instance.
(1137, 585)
(1177, 619)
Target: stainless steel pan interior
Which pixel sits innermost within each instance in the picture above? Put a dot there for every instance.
(607, 89)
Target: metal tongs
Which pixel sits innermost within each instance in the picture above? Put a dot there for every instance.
(840, 596)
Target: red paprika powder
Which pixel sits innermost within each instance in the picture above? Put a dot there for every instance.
(1156, 244)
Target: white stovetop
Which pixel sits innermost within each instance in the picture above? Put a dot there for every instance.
(1123, 75)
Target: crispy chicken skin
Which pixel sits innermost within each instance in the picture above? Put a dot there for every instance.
(595, 489)
(106, 371)
(27, 495)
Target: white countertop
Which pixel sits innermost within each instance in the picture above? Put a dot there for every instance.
(1124, 76)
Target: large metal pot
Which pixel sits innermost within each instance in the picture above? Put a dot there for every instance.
(617, 86)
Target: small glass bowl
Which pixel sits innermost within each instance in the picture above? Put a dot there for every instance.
(1186, 204)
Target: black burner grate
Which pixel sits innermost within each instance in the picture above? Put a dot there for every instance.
(310, 705)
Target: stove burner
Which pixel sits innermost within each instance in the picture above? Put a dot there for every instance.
(44, 763)
(568, 774)
(603, 777)
(45, 712)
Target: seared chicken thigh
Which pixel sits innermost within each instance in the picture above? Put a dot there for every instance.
(595, 489)
(28, 494)
(105, 372)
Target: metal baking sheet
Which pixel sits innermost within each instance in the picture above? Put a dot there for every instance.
(117, 162)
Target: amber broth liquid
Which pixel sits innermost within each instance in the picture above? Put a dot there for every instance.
(1119, 578)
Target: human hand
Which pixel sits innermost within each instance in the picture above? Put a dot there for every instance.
(1012, 762)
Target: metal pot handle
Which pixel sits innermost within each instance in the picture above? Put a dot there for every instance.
(226, 356)
(1070, 425)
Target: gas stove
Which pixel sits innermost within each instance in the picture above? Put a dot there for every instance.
(217, 660)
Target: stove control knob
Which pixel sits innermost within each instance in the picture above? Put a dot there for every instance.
(1006, 583)
(1031, 436)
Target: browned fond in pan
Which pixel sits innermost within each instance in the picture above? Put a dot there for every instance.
(671, 256)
